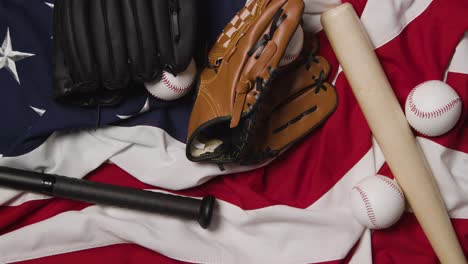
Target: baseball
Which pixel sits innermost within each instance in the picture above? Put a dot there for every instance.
(294, 47)
(171, 87)
(377, 202)
(433, 108)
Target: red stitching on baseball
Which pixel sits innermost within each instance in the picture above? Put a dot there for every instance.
(369, 210)
(392, 184)
(433, 114)
(290, 57)
(172, 87)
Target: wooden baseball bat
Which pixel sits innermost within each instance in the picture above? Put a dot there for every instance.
(355, 52)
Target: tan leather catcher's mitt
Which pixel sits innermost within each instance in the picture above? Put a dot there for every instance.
(247, 109)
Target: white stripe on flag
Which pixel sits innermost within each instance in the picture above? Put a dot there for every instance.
(459, 61)
(237, 236)
(384, 20)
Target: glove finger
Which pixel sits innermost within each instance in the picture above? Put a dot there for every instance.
(62, 80)
(319, 70)
(310, 67)
(176, 26)
(141, 39)
(306, 100)
(75, 44)
(300, 116)
(108, 42)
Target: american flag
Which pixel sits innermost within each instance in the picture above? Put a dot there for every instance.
(293, 210)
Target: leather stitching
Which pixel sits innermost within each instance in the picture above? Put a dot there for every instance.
(214, 107)
(209, 99)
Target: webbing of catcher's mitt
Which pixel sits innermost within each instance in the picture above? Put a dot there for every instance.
(247, 109)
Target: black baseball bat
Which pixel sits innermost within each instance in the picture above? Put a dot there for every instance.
(107, 194)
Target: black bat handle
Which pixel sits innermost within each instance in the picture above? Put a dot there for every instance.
(106, 194)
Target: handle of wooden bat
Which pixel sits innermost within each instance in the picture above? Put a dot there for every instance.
(355, 52)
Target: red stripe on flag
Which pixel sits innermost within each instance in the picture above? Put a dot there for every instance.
(15, 217)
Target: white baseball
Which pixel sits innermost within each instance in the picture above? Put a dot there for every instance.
(377, 202)
(294, 47)
(171, 87)
(433, 108)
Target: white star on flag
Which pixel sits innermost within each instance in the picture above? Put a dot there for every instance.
(8, 56)
(39, 111)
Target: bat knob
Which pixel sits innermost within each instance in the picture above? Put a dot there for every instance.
(206, 211)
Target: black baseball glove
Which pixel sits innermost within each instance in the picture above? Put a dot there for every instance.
(103, 47)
